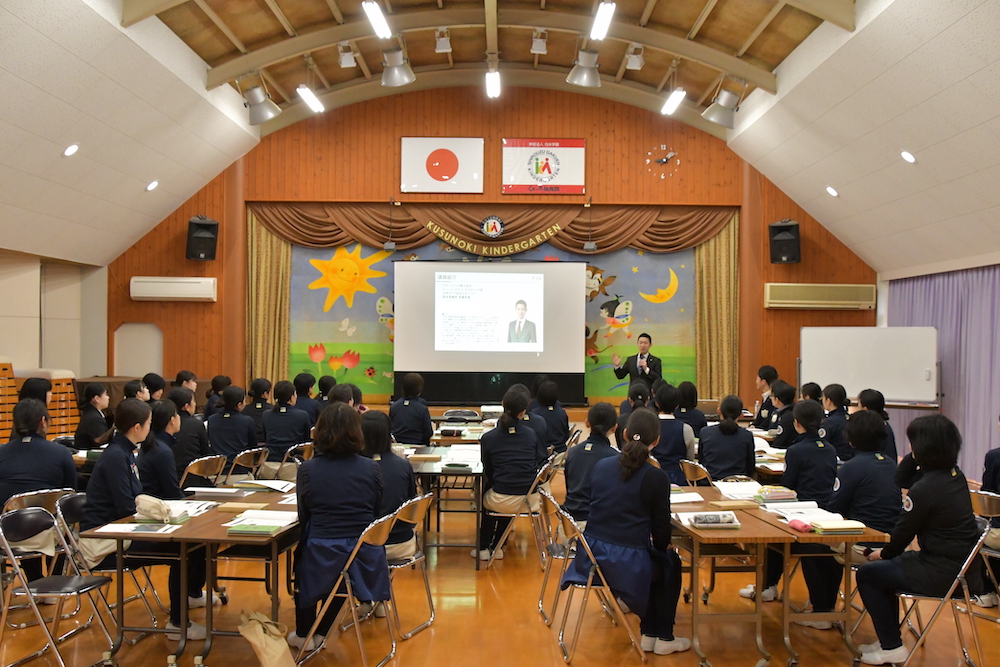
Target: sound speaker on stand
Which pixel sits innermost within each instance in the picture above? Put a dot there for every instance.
(203, 234)
(784, 238)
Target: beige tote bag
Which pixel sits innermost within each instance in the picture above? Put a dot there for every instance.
(267, 639)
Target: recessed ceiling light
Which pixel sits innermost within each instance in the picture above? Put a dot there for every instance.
(908, 156)
(152, 186)
(832, 192)
(70, 150)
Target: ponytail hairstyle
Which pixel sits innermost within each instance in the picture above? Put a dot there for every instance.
(515, 401)
(730, 408)
(92, 391)
(28, 414)
(259, 387)
(219, 382)
(872, 399)
(163, 412)
(182, 377)
(602, 418)
(232, 396)
(638, 392)
(837, 395)
(641, 431)
(283, 392)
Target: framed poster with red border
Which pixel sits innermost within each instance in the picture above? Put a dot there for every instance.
(544, 166)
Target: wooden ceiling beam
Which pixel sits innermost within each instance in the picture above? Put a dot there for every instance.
(837, 12)
(221, 25)
(709, 90)
(360, 60)
(492, 31)
(273, 83)
(700, 21)
(338, 15)
(778, 6)
(647, 11)
(134, 11)
(280, 15)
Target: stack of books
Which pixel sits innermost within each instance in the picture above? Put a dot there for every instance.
(260, 522)
(842, 527)
(772, 493)
(708, 520)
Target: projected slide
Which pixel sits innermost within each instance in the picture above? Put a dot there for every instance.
(488, 312)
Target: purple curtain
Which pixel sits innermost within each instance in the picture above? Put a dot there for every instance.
(964, 306)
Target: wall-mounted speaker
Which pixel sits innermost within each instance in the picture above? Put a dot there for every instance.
(203, 235)
(785, 242)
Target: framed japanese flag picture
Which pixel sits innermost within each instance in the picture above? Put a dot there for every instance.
(441, 164)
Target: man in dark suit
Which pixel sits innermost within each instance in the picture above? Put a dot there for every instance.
(521, 330)
(642, 367)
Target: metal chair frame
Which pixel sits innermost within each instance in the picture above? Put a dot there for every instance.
(303, 450)
(541, 477)
(209, 467)
(987, 505)
(556, 551)
(694, 472)
(248, 458)
(412, 511)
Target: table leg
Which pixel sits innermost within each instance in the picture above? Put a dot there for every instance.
(210, 578)
(695, 586)
(786, 605)
(275, 598)
(183, 553)
(119, 606)
(477, 483)
(848, 589)
(761, 552)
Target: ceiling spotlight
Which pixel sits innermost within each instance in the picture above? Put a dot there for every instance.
(397, 70)
(309, 97)
(539, 45)
(908, 156)
(152, 186)
(261, 107)
(442, 41)
(584, 72)
(634, 60)
(673, 101)
(377, 19)
(603, 20)
(723, 109)
(346, 57)
(70, 150)
(832, 192)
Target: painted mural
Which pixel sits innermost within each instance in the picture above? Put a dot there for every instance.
(342, 311)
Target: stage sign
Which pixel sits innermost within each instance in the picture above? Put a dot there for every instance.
(441, 164)
(544, 166)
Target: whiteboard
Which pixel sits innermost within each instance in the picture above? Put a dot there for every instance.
(901, 362)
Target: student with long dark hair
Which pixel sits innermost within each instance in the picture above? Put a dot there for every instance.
(834, 427)
(812, 391)
(155, 384)
(338, 496)
(676, 437)
(687, 407)
(554, 415)
(29, 462)
(232, 432)
(629, 533)
(284, 426)
(582, 458)
(512, 453)
(191, 441)
(93, 431)
(259, 394)
(37, 388)
(214, 394)
(157, 470)
(873, 400)
(727, 448)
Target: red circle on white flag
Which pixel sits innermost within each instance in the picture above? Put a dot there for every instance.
(442, 164)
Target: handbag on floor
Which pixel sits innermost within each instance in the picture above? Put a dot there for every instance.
(267, 638)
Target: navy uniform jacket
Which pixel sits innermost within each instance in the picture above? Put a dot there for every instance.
(556, 425)
(991, 476)
(672, 448)
(411, 421)
(398, 486)
(538, 425)
(627, 513)
(888, 446)
(784, 423)
(213, 405)
(338, 497)
(834, 431)
(724, 455)
(693, 417)
(865, 491)
(190, 443)
(255, 411)
(93, 424)
(113, 485)
(811, 468)
(310, 406)
(284, 427)
(231, 433)
(580, 462)
(157, 471)
(32, 463)
(763, 416)
(908, 472)
(511, 458)
(654, 370)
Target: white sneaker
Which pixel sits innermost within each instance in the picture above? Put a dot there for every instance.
(817, 625)
(483, 554)
(365, 608)
(194, 631)
(896, 655)
(868, 648)
(668, 646)
(625, 609)
(380, 610)
(770, 593)
(986, 600)
(647, 643)
(199, 602)
(296, 642)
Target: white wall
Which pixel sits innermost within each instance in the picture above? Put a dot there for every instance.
(94, 322)
(20, 277)
(60, 311)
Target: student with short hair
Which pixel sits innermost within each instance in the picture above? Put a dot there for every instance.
(155, 384)
(37, 388)
(136, 389)
(638, 397)
(214, 394)
(687, 407)
(536, 382)
(232, 432)
(323, 387)
(304, 382)
(29, 462)
(536, 423)
(727, 448)
(554, 415)
(191, 441)
(782, 420)
(284, 426)
(676, 439)
(581, 459)
(812, 391)
(834, 427)
(93, 430)
(873, 400)
(359, 398)
(187, 380)
(398, 481)
(157, 470)
(411, 420)
(766, 376)
(340, 393)
(259, 394)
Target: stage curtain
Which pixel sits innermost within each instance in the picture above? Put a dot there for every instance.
(717, 306)
(269, 273)
(649, 228)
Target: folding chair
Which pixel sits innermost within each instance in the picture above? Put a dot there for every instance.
(987, 505)
(300, 452)
(543, 475)
(251, 459)
(595, 581)
(375, 534)
(209, 467)
(694, 472)
(412, 511)
(556, 550)
(23, 524)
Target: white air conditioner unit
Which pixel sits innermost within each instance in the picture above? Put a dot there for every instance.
(166, 288)
(819, 296)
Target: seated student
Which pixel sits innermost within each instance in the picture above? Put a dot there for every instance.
(687, 407)
(651, 402)
(304, 401)
(214, 394)
(536, 423)
(766, 375)
(341, 393)
(191, 441)
(834, 428)
(326, 383)
(284, 426)
(93, 430)
(782, 421)
(37, 388)
(938, 512)
(991, 483)
(155, 384)
(872, 399)
(536, 382)
(259, 394)
(157, 470)
(338, 496)
(810, 471)
(187, 380)
(676, 440)
(638, 397)
(629, 534)
(111, 494)
(29, 462)
(232, 432)
(580, 460)
(411, 420)
(358, 397)
(726, 448)
(136, 389)
(512, 453)
(554, 415)
(813, 392)
(398, 482)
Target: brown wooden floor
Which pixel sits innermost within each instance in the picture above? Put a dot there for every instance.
(490, 618)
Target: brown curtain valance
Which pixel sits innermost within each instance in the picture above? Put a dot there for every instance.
(650, 228)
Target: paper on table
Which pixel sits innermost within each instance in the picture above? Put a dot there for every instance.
(192, 507)
(738, 490)
(687, 518)
(216, 490)
(464, 454)
(272, 484)
(773, 466)
(265, 517)
(289, 499)
(676, 498)
(793, 505)
(138, 528)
